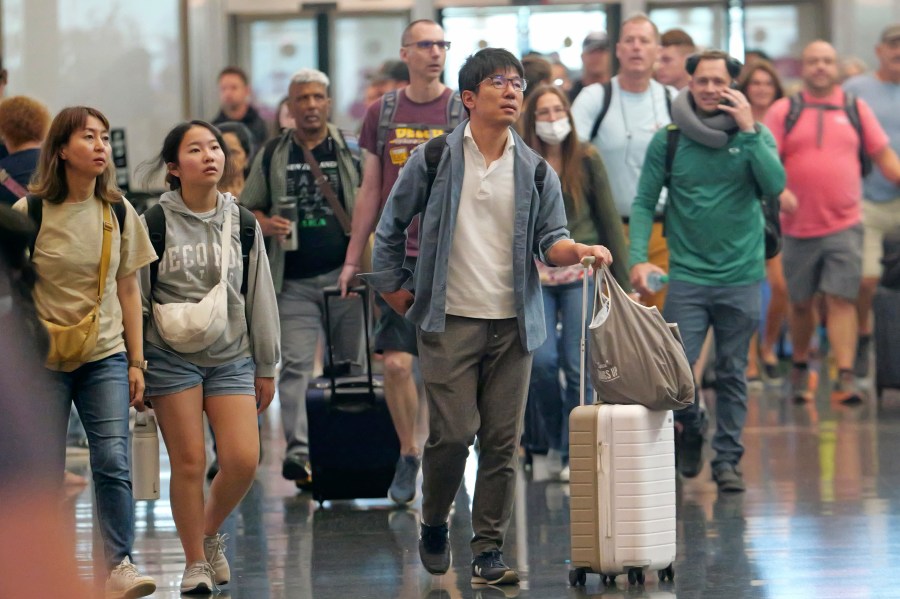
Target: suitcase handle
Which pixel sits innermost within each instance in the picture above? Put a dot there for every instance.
(363, 292)
(586, 262)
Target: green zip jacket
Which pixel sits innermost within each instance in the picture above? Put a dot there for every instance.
(713, 219)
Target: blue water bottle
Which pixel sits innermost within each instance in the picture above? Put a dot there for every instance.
(656, 281)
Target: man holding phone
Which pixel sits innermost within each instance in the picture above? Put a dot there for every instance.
(714, 228)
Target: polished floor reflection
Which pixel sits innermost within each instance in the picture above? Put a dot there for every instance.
(820, 518)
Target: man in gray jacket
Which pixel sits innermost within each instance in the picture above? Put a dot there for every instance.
(307, 244)
(476, 300)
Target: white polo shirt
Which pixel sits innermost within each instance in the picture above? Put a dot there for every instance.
(480, 267)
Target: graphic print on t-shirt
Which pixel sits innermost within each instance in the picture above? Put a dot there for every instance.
(403, 138)
(322, 243)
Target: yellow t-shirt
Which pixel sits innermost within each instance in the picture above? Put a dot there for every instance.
(67, 260)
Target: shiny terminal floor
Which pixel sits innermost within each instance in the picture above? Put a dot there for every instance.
(820, 519)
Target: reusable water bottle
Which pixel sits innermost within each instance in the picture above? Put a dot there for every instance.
(287, 208)
(145, 457)
(656, 281)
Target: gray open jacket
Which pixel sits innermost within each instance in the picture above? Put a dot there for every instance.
(540, 222)
(258, 194)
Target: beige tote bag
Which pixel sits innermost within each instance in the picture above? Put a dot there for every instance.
(635, 357)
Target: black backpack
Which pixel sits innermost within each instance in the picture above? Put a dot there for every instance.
(771, 206)
(607, 100)
(890, 276)
(850, 107)
(36, 214)
(434, 149)
(156, 226)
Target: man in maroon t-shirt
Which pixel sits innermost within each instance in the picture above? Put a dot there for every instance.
(392, 128)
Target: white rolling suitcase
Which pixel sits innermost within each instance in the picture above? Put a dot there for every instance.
(622, 489)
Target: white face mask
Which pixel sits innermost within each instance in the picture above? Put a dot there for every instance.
(553, 132)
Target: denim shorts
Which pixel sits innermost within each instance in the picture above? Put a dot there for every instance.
(169, 373)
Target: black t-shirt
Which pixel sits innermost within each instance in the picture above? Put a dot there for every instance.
(322, 243)
(20, 167)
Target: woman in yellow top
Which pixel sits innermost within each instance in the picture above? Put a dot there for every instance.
(75, 192)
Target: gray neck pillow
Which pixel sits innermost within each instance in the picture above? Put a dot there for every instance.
(712, 131)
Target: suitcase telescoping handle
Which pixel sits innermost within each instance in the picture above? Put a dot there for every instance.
(586, 262)
(332, 292)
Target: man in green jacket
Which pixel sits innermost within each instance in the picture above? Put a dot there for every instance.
(714, 226)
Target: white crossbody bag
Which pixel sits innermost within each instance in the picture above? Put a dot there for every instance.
(192, 327)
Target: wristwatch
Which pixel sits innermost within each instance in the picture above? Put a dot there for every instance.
(142, 364)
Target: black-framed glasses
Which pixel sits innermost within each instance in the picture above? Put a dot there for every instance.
(427, 44)
(501, 81)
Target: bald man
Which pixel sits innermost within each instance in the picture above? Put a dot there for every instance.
(823, 145)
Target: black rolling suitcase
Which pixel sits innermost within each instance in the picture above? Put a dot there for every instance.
(353, 447)
(886, 309)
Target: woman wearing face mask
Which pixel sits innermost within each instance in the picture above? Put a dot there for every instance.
(592, 218)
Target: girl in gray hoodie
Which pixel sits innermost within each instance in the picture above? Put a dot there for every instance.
(228, 375)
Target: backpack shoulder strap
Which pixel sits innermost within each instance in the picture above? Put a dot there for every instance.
(672, 135)
(540, 174)
(607, 99)
(268, 152)
(118, 209)
(35, 213)
(796, 107)
(668, 100)
(385, 118)
(851, 107)
(156, 228)
(248, 237)
(454, 110)
(434, 149)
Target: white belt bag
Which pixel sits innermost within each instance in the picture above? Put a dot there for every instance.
(192, 327)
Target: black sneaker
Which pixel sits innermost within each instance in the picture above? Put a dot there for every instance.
(689, 448)
(296, 468)
(488, 568)
(434, 548)
(729, 479)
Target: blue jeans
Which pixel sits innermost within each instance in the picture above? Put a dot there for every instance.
(554, 397)
(733, 313)
(100, 393)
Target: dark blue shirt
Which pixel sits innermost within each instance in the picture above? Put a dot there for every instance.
(20, 166)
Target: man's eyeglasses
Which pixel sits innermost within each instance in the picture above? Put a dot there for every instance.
(427, 44)
(501, 81)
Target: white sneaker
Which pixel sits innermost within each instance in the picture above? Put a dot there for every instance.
(214, 549)
(564, 474)
(125, 582)
(197, 579)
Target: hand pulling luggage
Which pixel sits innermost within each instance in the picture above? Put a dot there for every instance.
(353, 447)
(622, 488)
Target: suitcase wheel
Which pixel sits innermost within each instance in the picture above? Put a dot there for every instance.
(635, 576)
(577, 577)
(667, 573)
(608, 580)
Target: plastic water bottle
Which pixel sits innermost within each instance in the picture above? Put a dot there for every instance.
(145, 457)
(656, 281)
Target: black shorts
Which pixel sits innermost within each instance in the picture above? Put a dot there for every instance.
(394, 332)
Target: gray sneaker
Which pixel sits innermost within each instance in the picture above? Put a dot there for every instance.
(403, 487)
(214, 550)
(846, 389)
(198, 579)
(729, 479)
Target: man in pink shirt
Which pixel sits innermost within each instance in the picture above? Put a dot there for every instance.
(821, 210)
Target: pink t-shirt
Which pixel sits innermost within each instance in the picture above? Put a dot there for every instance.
(823, 167)
(412, 125)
